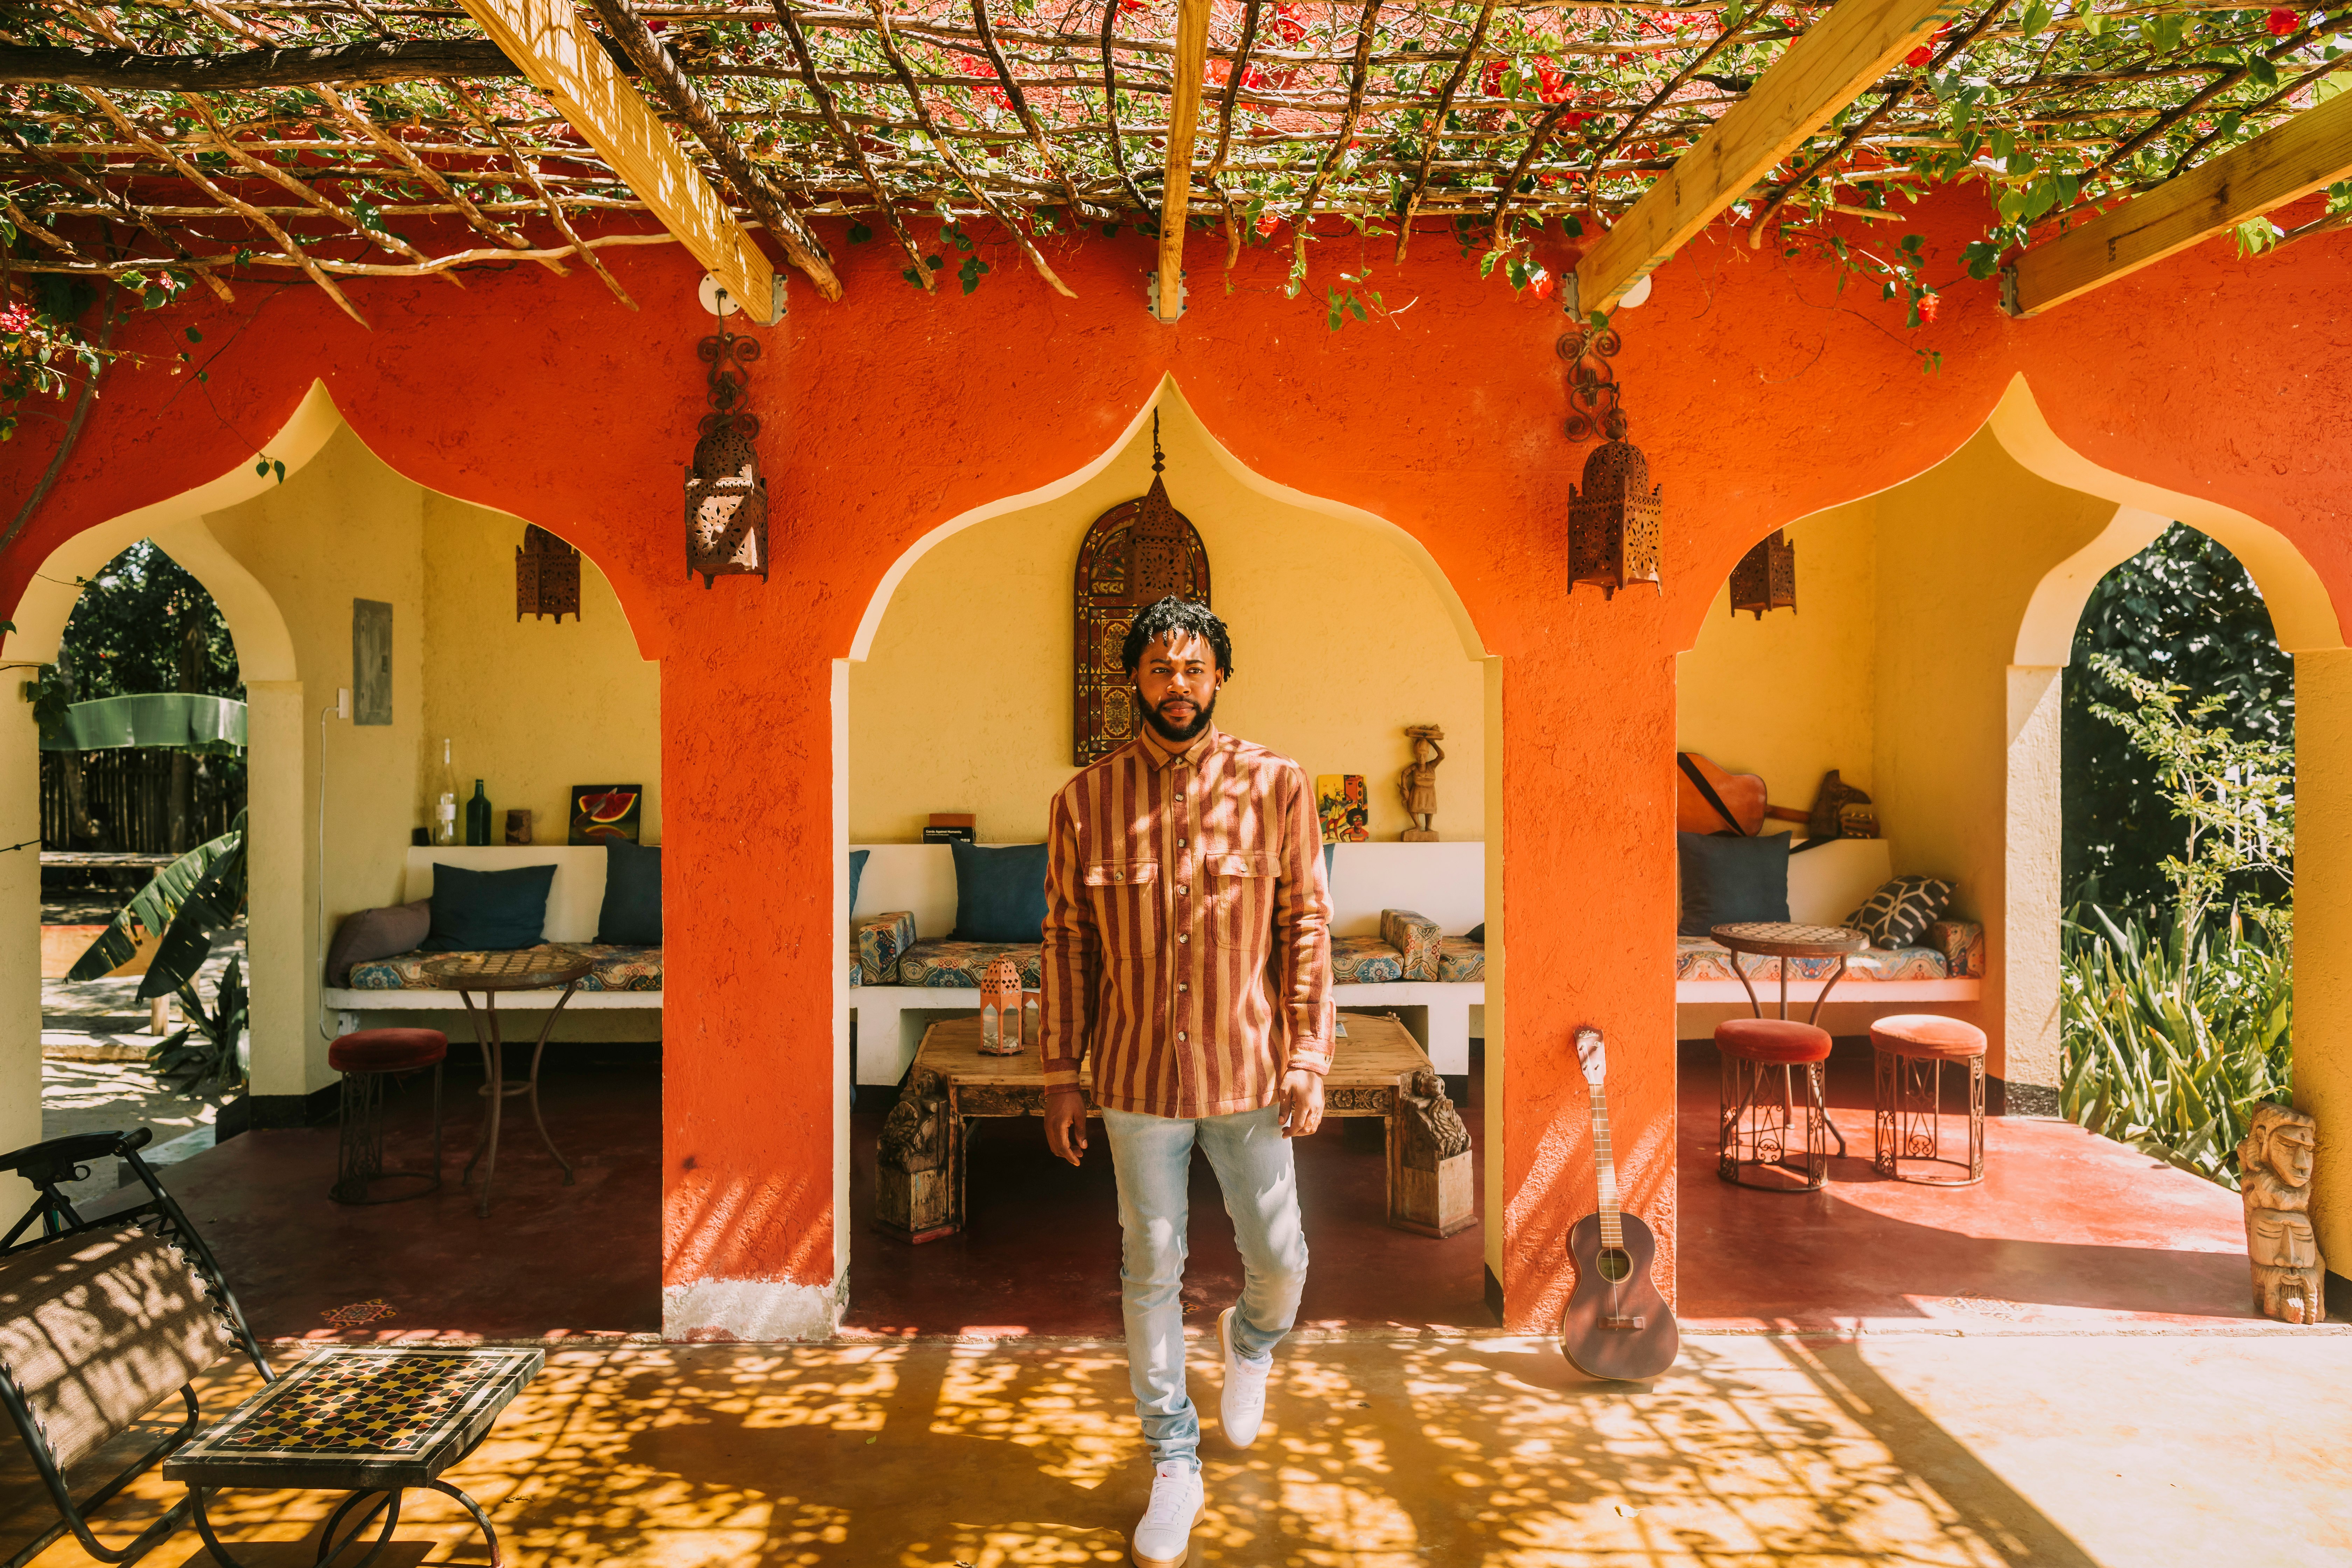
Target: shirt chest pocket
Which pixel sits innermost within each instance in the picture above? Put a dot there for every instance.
(1240, 888)
(1126, 897)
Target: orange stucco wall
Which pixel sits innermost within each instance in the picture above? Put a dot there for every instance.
(1760, 394)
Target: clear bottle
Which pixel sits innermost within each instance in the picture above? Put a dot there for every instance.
(445, 799)
(478, 816)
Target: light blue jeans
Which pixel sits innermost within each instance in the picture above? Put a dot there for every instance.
(1153, 1155)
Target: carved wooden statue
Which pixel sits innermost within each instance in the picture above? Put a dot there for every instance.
(1418, 784)
(1430, 1180)
(913, 1174)
(2274, 1178)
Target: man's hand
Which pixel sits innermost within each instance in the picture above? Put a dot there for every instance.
(1066, 1123)
(1301, 1101)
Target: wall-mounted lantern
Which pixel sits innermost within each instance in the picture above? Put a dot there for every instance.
(726, 498)
(1766, 577)
(1613, 522)
(547, 576)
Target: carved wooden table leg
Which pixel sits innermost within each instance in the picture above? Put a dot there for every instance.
(914, 1163)
(1431, 1190)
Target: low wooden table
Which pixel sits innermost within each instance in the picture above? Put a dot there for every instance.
(1782, 940)
(1377, 1069)
(530, 969)
(370, 1420)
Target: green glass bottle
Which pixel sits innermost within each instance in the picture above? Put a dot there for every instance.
(478, 816)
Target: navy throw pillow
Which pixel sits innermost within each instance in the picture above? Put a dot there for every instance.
(857, 875)
(1000, 892)
(632, 915)
(488, 912)
(1728, 880)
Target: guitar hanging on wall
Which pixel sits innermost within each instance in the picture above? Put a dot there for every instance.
(1615, 1325)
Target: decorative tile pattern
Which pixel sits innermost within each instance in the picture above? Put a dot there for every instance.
(1460, 959)
(617, 968)
(959, 965)
(1416, 938)
(1364, 961)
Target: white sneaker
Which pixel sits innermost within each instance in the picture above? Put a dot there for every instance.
(1164, 1539)
(1240, 1407)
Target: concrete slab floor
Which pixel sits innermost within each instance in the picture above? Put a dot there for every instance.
(1942, 1451)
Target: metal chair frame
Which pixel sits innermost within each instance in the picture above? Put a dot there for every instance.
(47, 1166)
(1908, 1119)
(358, 1145)
(1747, 1122)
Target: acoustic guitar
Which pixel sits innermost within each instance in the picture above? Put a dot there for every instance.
(1709, 799)
(1616, 1325)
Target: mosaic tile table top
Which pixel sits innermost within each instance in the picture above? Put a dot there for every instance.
(359, 1416)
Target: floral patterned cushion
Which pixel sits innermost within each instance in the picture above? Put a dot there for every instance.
(1416, 938)
(959, 965)
(1697, 958)
(1364, 961)
(617, 969)
(1460, 959)
(881, 941)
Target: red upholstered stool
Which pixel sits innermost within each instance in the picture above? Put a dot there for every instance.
(366, 1059)
(1912, 1051)
(1768, 1130)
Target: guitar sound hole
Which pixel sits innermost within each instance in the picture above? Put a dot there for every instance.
(1613, 1264)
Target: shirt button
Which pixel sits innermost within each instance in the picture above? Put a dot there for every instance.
(1183, 891)
(1181, 937)
(1184, 843)
(1180, 1034)
(1181, 985)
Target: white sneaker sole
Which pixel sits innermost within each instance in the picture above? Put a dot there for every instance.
(1182, 1553)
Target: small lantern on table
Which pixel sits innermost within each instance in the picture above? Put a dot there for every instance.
(1000, 1008)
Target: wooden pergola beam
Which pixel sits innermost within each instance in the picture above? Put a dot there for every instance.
(1835, 61)
(565, 60)
(370, 59)
(2289, 161)
(1183, 116)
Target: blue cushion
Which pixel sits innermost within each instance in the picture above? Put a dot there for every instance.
(857, 874)
(1727, 880)
(632, 915)
(1000, 892)
(477, 912)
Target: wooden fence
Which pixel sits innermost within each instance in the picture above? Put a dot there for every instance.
(128, 792)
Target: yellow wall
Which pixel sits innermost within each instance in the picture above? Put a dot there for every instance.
(1339, 642)
(532, 707)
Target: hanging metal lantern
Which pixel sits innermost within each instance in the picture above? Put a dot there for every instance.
(726, 498)
(547, 576)
(1766, 577)
(1613, 522)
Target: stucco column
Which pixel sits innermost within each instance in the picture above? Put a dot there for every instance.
(2025, 1055)
(2323, 935)
(20, 931)
(282, 877)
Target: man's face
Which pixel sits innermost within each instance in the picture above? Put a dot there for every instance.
(1177, 681)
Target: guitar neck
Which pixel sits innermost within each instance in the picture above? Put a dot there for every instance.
(1612, 1228)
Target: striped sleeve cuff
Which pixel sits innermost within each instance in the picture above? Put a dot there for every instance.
(1061, 1075)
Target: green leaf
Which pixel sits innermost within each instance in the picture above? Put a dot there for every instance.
(2037, 19)
(859, 234)
(153, 907)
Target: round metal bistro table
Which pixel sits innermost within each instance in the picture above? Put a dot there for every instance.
(1786, 941)
(531, 969)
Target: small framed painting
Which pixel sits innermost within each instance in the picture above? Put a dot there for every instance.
(600, 812)
(1346, 810)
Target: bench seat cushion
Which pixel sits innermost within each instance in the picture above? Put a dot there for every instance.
(951, 965)
(617, 969)
(1460, 959)
(1697, 958)
(1364, 961)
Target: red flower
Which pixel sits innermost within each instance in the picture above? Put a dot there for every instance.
(1267, 223)
(1929, 304)
(656, 25)
(16, 319)
(2282, 22)
(1927, 51)
(1551, 82)
(1288, 24)
(1129, 7)
(1490, 80)
(1541, 287)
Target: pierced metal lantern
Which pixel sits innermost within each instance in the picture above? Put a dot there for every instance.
(726, 498)
(1766, 577)
(1613, 522)
(547, 576)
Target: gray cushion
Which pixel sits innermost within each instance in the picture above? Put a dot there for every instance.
(377, 933)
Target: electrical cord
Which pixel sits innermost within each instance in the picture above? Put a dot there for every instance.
(319, 936)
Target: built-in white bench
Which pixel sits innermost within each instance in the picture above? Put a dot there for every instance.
(1445, 882)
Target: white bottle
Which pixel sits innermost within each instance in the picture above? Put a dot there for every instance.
(445, 799)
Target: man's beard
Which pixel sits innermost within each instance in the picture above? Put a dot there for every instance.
(1173, 733)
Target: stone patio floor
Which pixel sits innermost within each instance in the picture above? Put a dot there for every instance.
(2050, 1449)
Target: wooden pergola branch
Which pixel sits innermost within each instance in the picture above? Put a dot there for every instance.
(1436, 131)
(547, 202)
(684, 100)
(369, 60)
(1010, 84)
(563, 60)
(1110, 109)
(354, 119)
(119, 206)
(850, 145)
(1831, 64)
(2284, 163)
(1176, 181)
(1357, 75)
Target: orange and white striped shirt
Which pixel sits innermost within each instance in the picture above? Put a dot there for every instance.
(1188, 931)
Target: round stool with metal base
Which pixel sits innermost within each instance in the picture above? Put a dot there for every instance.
(1767, 1129)
(1912, 1050)
(366, 1058)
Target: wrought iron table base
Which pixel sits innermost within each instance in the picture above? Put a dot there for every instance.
(496, 1089)
(329, 1548)
(1909, 1120)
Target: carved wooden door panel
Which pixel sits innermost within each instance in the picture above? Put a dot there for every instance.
(1136, 555)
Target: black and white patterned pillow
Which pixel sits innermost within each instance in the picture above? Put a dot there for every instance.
(1900, 912)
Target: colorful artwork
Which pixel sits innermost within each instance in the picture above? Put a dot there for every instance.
(600, 812)
(1345, 808)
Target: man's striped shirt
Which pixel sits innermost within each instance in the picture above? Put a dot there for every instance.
(1188, 940)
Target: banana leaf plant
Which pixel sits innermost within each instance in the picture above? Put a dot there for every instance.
(191, 901)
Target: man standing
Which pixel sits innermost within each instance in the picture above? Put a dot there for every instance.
(1188, 951)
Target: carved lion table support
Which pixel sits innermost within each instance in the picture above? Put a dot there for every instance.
(1430, 1180)
(914, 1178)
(2274, 1178)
